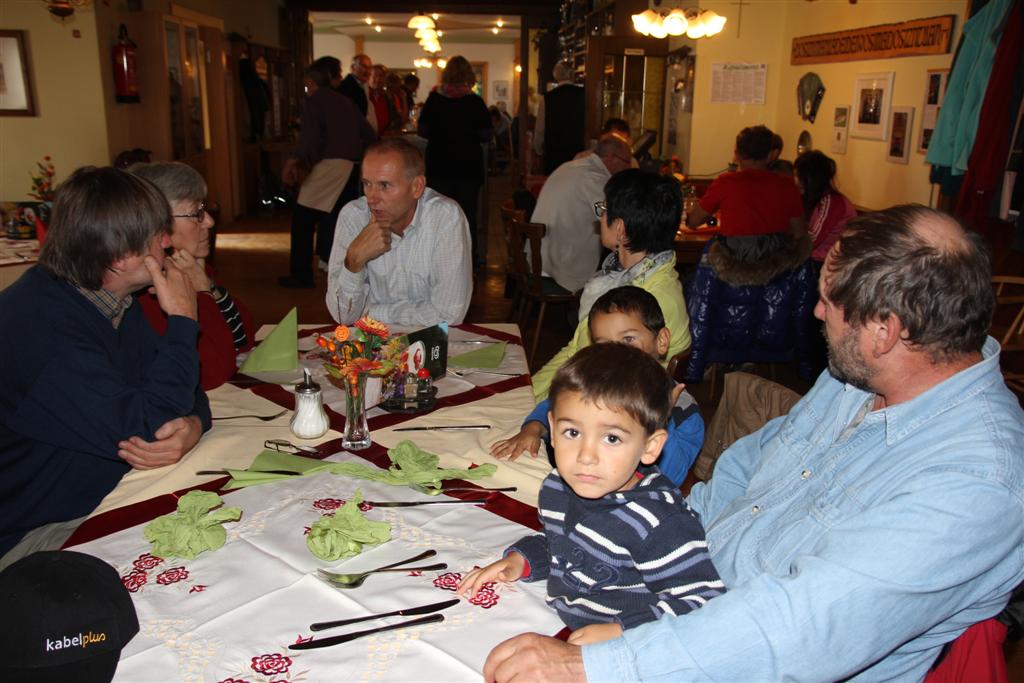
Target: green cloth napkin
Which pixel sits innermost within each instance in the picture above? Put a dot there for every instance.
(279, 351)
(194, 528)
(344, 534)
(272, 460)
(488, 356)
(410, 465)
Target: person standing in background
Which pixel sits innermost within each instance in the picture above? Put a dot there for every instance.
(356, 86)
(455, 123)
(559, 133)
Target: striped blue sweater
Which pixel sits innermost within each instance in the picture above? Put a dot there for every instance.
(628, 557)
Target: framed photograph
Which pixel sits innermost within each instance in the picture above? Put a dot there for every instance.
(15, 78)
(480, 71)
(840, 128)
(899, 138)
(872, 104)
(934, 94)
(501, 90)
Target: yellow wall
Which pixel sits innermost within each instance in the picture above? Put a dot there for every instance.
(70, 125)
(768, 28)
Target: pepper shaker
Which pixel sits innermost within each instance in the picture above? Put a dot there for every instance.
(309, 421)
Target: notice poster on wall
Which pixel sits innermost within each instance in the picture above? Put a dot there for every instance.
(733, 83)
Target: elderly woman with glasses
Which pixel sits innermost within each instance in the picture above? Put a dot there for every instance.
(225, 325)
(639, 219)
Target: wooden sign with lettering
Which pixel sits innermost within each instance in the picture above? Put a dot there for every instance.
(931, 36)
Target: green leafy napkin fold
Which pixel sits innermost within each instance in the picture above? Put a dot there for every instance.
(193, 529)
(345, 534)
(409, 465)
(489, 356)
(279, 350)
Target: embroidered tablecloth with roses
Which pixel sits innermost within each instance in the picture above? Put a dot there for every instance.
(230, 615)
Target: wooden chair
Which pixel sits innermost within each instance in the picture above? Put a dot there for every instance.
(535, 289)
(513, 287)
(1008, 328)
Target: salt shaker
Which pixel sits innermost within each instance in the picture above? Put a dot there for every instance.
(309, 420)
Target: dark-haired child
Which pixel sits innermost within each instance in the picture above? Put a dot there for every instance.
(629, 315)
(620, 545)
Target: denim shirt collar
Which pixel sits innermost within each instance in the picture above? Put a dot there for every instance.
(905, 418)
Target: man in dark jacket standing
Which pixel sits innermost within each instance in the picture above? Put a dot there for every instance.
(88, 390)
(559, 134)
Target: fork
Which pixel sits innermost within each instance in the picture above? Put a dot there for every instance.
(476, 371)
(356, 580)
(265, 418)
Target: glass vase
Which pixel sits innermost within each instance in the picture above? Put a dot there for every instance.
(357, 431)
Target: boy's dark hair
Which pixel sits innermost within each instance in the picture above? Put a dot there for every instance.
(631, 300)
(650, 206)
(330, 65)
(619, 377)
(615, 125)
(754, 143)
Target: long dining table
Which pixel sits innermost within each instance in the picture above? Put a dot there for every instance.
(236, 613)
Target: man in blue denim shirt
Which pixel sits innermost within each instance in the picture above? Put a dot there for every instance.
(875, 522)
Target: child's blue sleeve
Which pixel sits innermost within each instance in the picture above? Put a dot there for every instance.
(540, 414)
(685, 438)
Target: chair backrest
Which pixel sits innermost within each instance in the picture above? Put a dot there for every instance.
(523, 235)
(509, 213)
(1009, 311)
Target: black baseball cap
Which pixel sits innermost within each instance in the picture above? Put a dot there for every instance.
(66, 616)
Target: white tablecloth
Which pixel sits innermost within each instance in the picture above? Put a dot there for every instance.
(230, 614)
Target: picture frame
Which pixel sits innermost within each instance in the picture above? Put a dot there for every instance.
(480, 72)
(17, 96)
(840, 129)
(901, 127)
(872, 105)
(501, 90)
(934, 95)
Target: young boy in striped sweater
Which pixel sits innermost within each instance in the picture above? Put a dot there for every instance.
(620, 545)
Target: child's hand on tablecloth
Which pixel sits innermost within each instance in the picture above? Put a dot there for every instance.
(594, 633)
(509, 568)
(528, 439)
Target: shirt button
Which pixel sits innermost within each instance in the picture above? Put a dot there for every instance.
(806, 474)
(754, 510)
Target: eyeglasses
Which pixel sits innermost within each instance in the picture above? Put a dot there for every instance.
(600, 208)
(199, 215)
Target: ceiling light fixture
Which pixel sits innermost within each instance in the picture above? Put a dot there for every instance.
(420, 21)
(495, 30)
(500, 23)
(377, 28)
(694, 23)
(369, 21)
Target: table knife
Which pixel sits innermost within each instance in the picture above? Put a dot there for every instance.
(225, 472)
(411, 503)
(335, 640)
(409, 612)
(443, 428)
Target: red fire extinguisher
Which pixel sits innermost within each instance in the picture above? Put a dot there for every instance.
(126, 85)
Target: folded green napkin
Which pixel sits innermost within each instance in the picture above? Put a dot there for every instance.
(488, 356)
(193, 528)
(258, 473)
(410, 465)
(344, 534)
(279, 351)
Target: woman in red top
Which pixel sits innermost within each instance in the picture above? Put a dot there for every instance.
(379, 98)
(826, 208)
(225, 325)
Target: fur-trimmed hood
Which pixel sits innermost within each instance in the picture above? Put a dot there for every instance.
(738, 273)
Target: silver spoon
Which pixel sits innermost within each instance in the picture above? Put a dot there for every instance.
(356, 580)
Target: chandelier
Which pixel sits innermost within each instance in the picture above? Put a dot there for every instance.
(693, 22)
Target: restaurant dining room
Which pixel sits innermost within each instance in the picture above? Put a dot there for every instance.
(350, 340)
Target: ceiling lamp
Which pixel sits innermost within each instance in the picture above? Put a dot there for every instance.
(426, 33)
(692, 22)
(420, 21)
(441, 62)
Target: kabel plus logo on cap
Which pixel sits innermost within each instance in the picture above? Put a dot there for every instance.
(67, 616)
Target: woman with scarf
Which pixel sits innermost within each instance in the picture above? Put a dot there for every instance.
(455, 123)
(639, 219)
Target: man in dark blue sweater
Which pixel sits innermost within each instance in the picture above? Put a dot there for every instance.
(87, 389)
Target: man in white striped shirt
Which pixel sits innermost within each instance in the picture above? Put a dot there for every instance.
(401, 252)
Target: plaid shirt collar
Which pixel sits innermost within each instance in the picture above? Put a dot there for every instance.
(112, 308)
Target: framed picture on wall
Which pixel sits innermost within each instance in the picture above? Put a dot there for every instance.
(500, 90)
(16, 97)
(899, 138)
(934, 94)
(480, 71)
(872, 104)
(840, 127)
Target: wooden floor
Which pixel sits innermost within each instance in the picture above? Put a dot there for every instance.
(252, 252)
